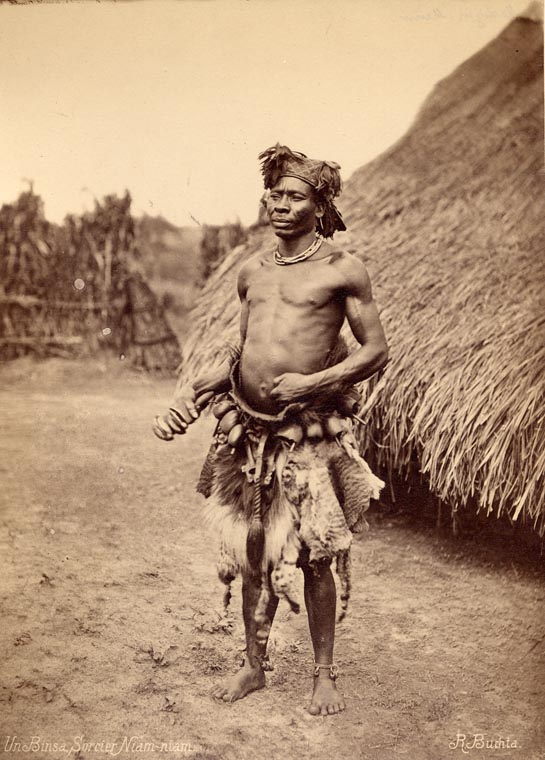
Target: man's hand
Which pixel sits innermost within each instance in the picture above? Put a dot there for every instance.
(182, 413)
(168, 426)
(290, 386)
(184, 404)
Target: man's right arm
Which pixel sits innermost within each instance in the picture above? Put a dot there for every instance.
(191, 398)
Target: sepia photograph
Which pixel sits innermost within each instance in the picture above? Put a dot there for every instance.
(272, 379)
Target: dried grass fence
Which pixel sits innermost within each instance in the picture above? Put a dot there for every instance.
(73, 289)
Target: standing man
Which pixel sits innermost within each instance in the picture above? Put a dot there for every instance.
(285, 482)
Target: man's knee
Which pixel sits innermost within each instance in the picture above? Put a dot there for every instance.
(315, 569)
(251, 579)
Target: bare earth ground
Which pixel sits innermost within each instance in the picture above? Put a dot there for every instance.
(112, 635)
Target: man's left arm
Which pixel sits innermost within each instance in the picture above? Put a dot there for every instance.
(372, 355)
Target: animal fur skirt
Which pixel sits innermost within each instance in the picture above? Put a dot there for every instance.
(313, 495)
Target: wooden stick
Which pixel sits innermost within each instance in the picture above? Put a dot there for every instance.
(66, 340)
(29, 301)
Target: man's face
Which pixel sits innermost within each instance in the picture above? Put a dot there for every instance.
(291, 208)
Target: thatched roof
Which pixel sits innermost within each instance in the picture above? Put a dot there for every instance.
(450, 222)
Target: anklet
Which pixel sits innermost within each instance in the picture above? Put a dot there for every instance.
(333, 670)
(263, 660)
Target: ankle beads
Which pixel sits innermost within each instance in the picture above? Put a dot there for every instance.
(333, 670)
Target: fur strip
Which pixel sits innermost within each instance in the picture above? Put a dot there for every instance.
(343, 571)
(283, 575)
(306, 483)
(231, 527)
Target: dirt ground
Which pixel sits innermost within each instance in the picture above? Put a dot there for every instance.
(112, 637)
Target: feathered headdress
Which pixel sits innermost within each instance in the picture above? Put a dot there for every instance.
(323, 176)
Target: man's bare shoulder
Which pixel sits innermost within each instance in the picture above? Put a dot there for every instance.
(350, 268)
(252, 265)
(254, 262)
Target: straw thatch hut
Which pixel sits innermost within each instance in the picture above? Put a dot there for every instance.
(74, 289)
(450, 222)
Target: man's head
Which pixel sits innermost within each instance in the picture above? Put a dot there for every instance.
(309, 182)
(292, 207)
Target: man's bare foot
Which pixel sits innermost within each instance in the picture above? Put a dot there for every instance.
(246, 680)
(326, 700)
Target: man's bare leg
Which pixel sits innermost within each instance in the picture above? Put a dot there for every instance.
(251, 676)
(320, 600)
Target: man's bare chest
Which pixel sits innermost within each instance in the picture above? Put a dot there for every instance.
(315, 285)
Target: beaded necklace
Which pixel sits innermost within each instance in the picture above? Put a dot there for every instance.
(303, 256)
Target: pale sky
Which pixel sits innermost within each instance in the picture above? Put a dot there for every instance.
(174, 100)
